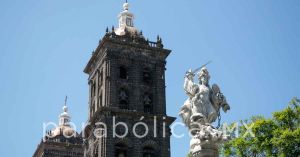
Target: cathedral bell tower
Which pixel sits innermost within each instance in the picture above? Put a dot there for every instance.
(62, 141)
(127, 87)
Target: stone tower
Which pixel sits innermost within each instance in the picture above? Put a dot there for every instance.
(62, 141)
(127, 87)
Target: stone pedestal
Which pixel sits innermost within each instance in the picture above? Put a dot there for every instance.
(206, 151)
(206, 142)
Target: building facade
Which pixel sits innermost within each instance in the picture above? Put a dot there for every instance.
(127, 85)
(127, 100)
(63, 141)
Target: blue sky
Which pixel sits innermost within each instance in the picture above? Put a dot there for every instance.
(254, 46)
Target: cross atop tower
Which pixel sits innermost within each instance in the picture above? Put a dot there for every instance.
(66, 100)
(64, 117)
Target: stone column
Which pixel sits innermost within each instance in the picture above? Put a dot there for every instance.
(206, 142)
(208, 150)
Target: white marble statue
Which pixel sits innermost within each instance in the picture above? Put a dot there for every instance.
(201, 109)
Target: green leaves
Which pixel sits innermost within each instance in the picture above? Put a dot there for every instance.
(278, 136)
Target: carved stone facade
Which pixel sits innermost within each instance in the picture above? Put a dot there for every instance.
(60, 147)
(126, 85)
(127, 81)
(63, 141)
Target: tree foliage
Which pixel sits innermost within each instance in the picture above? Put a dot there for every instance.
(278, 136)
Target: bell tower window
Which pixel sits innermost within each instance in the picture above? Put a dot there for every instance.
(123, 105)
(148, 152)
(123, 72)
(121, 150)
(123, 99)
(146, 75)
(147, 100)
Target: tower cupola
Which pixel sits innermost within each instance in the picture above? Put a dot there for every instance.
(126, 21)
(64, 127)
(64, 117)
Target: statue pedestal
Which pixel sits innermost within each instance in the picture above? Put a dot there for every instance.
(206, 141)
(206, 151)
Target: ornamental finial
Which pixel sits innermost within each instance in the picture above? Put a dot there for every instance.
(66, 100)
(65, 108)
(126, 19)
(126, 6)
(64, 117)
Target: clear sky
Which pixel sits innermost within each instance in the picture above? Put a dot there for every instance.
(254, 46)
